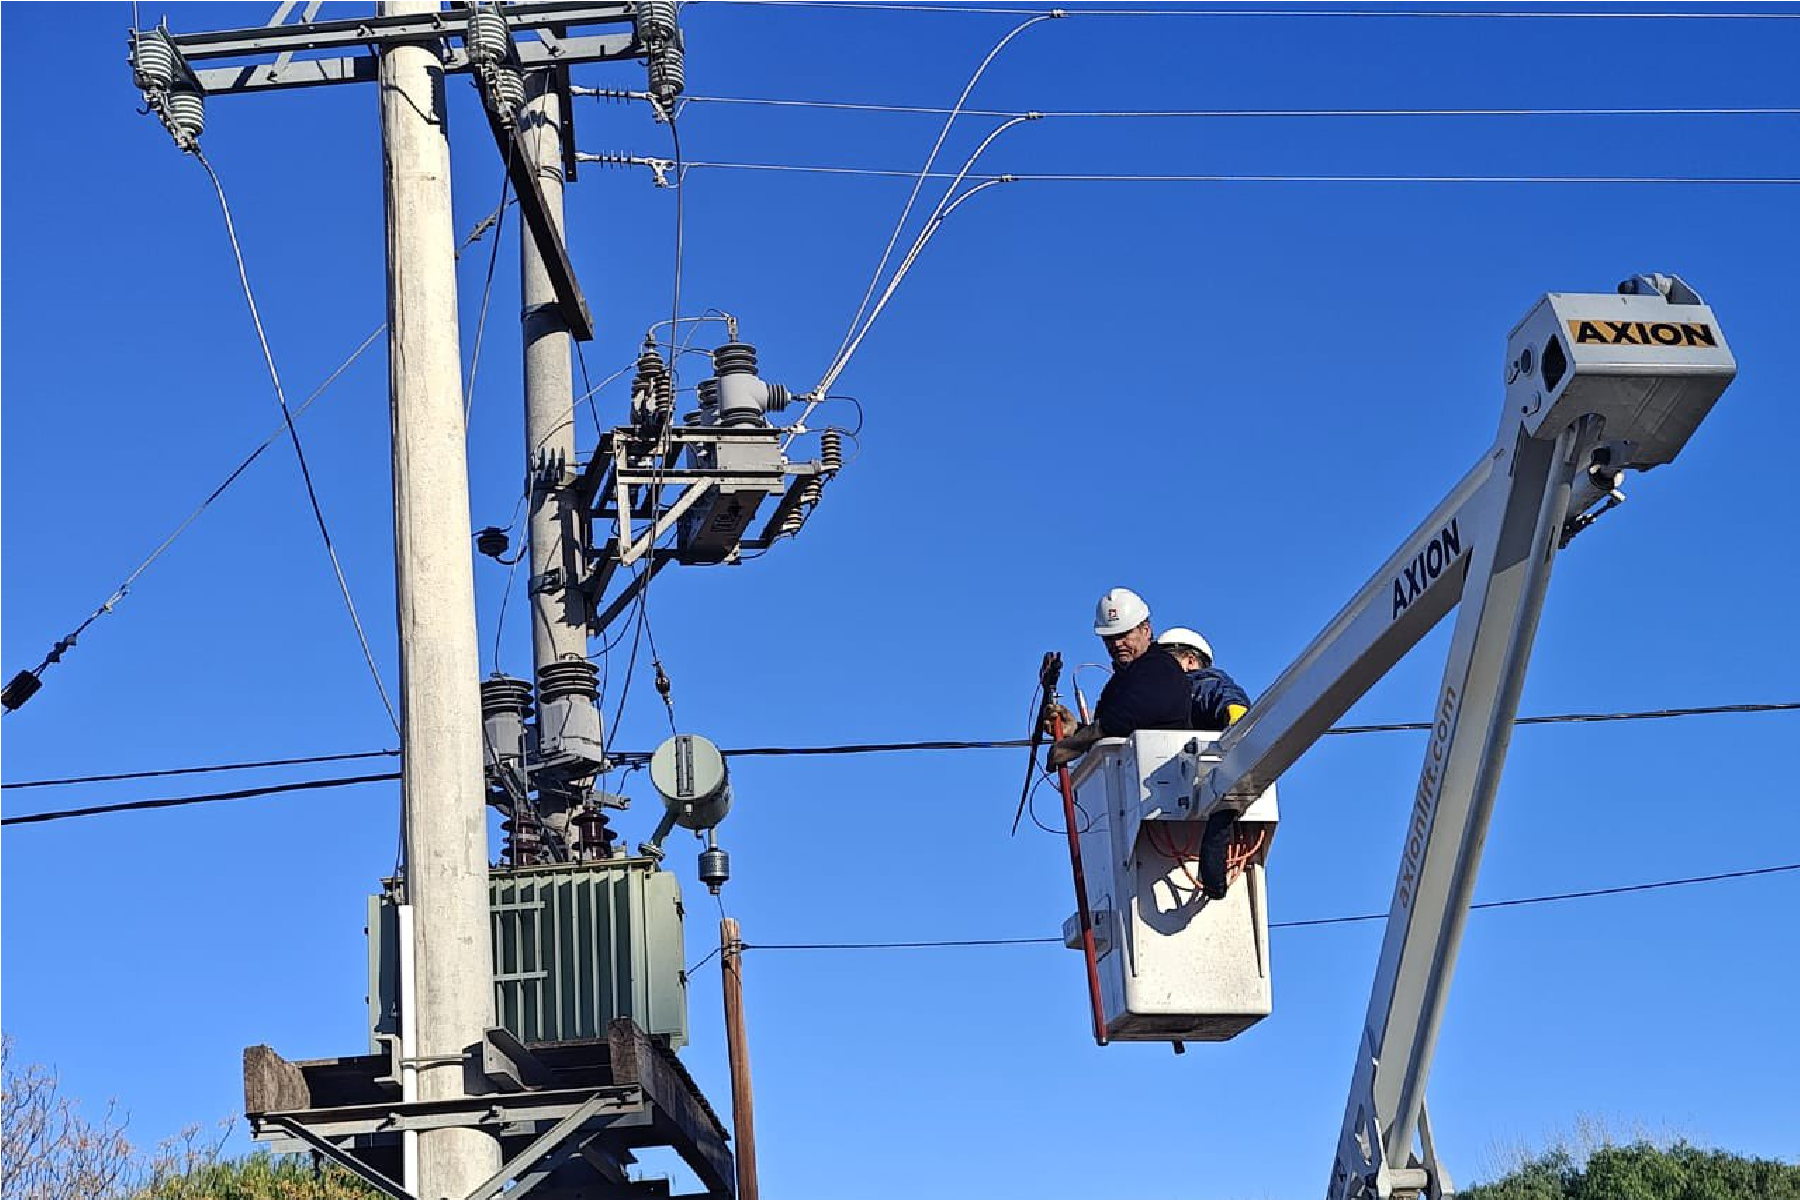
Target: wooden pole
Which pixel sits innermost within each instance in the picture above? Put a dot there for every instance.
(737, 1048)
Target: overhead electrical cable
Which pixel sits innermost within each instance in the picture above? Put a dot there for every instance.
(1172, 11)
(1235, 113)
(312, 494)
(1177, 177)
(626, 756)
(64, 644)
(215, 767)
(18, 691)
(487, 289)
(1308, 923)
(850, 334)
(208, 798)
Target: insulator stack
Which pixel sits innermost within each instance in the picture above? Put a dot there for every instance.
(524, 845)
(506, 91)
(571, 677)
(504, 694)
(656, 20)
(488, 39)
(668, 74)
(810, 493)
(153, 58)
(652, 391)
(595, 832)
(169, 90)
(490, 46)
(831, 452)
(184, 112)
(656, 29)
(734, 358)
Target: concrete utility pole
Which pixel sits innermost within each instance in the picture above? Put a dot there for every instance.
(559, 616)
(558, 607)
(441, 763)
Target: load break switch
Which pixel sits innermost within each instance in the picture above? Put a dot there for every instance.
(1174, 965)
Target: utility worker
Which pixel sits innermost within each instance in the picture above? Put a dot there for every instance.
(1148, 689)
(1217, 703)
(1217, 699)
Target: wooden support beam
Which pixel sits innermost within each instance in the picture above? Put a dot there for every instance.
(536, 211)
(692, 1129)
(272, 1083)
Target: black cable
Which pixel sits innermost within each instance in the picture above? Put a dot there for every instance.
(624, 757)
(287, 417)
(1655, 714)
(1512, 903)
(239, 766)
(177, 801)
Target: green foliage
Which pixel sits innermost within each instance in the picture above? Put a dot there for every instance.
(1642, 1171)
(262, 1176)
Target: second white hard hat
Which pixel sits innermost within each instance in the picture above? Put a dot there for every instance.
(1181, 636)
(1120, 611)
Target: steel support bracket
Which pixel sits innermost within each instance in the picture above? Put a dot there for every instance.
(341, 1157)
(508, 1065)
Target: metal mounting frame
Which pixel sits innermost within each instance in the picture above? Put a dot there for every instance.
(622, 486)
(572, 1116)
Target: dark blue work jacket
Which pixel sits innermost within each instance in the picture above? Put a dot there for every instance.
(1212, 691)
(1150, 692)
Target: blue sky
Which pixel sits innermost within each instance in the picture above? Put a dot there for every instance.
(1233, 397)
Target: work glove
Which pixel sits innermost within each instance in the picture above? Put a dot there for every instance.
(1068, 749)
(1051, 714)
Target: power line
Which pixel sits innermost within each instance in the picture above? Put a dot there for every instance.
(1177, 177)
(1655, 714)
(1233, 113)
(237, 766)
(67, 642)
(287, 415)
(210, 797)
(1478, 14)
(1516, 902)
(851, 335)
(628, 757)
(17, 692)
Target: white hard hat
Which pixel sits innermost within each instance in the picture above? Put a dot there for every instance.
(1180, 636)
(1120, 611)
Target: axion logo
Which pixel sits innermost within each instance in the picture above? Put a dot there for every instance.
(1425, 799)
(1642, 333)
(1425, 567)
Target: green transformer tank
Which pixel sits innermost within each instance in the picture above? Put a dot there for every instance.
(576, 946)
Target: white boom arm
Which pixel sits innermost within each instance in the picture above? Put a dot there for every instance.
(1595, 385)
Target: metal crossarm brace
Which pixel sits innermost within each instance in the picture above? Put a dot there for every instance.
(374, 32)
(658, 561)
(558, 1141)
(342, 1158)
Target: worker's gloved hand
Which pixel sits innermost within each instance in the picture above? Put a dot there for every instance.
(1068, 749)
(1051, 716)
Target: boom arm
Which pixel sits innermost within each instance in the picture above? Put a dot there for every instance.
(1596, 384)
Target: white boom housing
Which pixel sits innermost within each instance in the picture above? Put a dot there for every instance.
(1594, 385)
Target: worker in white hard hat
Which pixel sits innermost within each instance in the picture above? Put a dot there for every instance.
(1217, 700)
(1148, 689)
(1216, 703)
